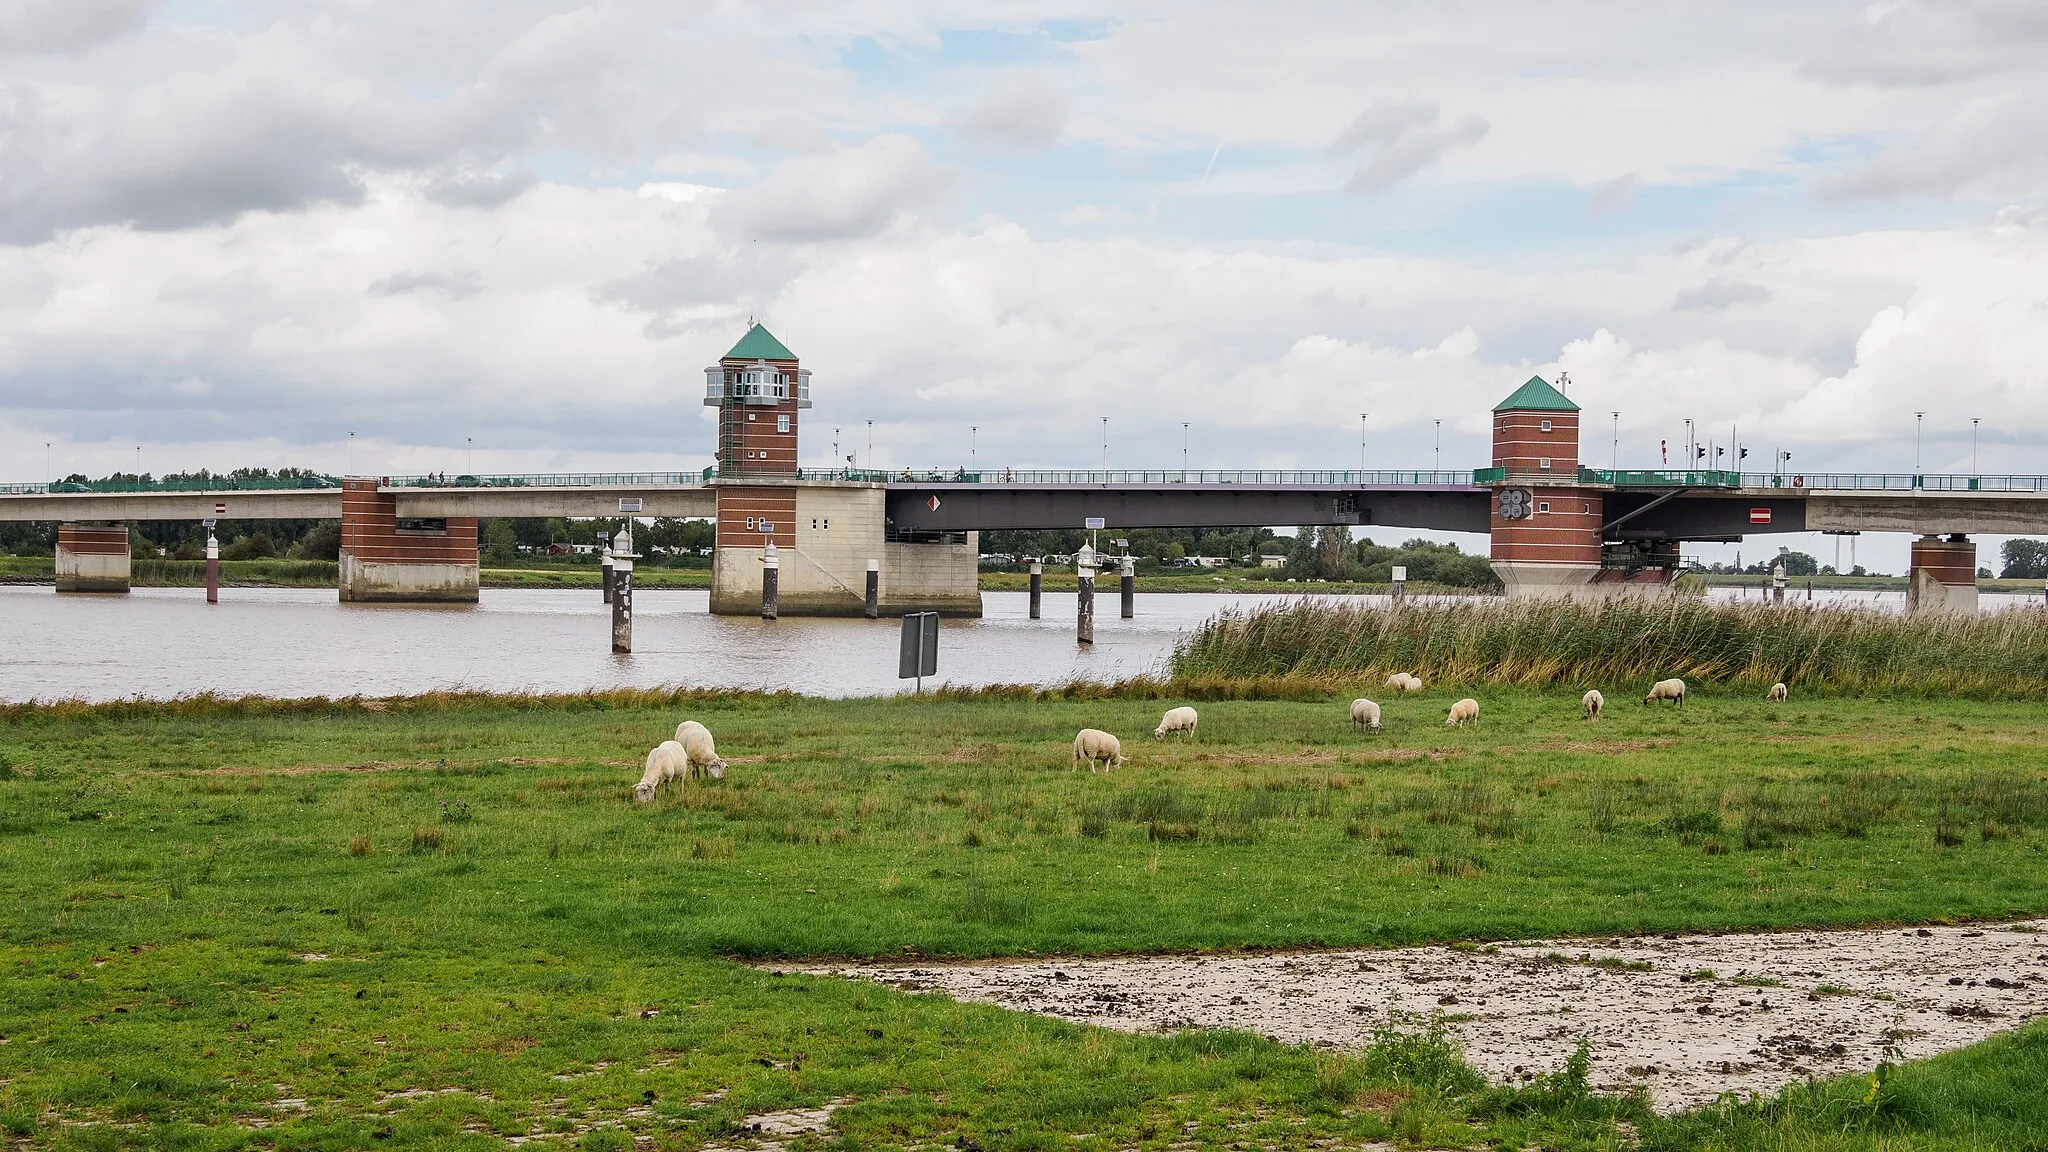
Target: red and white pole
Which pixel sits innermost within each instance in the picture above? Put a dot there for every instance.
(212, 566)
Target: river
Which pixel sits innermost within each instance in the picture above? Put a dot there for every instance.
(167, 642)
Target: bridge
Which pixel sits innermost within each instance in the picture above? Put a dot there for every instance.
(1557, 527)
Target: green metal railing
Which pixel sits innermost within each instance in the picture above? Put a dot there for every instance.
(215, 484)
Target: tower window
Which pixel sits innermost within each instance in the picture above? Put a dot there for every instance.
(1545, 425)
(750, 523)
(782, 423)
(1544, 462)
(750, 417)
(1543, 506)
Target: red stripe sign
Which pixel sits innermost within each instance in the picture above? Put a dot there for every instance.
(1759, 515)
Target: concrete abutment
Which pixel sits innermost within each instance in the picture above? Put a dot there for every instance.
(1943, 575)
(388, 560)
(92, 557)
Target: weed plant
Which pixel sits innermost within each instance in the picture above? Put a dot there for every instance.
(1624, 645)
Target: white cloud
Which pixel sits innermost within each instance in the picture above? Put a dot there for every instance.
(1400, 138)
(1021, 111)
(67, 25)
(849, 192)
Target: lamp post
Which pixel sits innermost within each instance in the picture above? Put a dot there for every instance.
(1973, 446)
(1361, 447)
(870, 457)
(1438, 465)
(973, 432)
(1918, 420)
(1105, 449)
(1184, 451)
(1614, 453)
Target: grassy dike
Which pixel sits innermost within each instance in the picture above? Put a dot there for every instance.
(237, 923)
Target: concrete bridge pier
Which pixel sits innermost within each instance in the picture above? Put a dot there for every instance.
(835, 552)
(92, 557)
(1943, 576)
(388, 560)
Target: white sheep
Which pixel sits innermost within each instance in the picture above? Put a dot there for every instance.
(696, 740)
(1365, 714)
(1673, 689)
(1181, 719)
(1778, 692)
(1097, 746)
(1397, 680)
(1593, 701)
(1412, 683)
(668, 761)
(1465, 711)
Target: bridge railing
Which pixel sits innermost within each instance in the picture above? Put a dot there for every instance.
(555, 480)
(1154, 476)
(1893, 482)
(215, 484)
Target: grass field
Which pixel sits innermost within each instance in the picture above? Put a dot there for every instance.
(499, 922)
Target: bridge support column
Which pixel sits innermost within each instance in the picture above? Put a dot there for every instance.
(1943, 576)
(826, 534)
(92, 557)
(388, 560)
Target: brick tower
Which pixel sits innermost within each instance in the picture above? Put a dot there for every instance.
(759, 392)
(1546, 522)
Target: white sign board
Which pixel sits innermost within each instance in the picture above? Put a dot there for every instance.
(629, 503)
(1092, 523)
(1400, 574)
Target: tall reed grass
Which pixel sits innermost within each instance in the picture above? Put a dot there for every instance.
(1567, 643)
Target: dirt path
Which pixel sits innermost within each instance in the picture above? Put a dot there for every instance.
(1690, 1017)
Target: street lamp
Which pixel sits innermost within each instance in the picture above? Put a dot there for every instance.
(1183, 451)
(1973, 446)
(1439, 464)
(1361, 447)
(870, 457)
(1105, 448)
(1614, 458)
(972, 432)
(1918, 417)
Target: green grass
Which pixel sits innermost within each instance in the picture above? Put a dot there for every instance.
(1232, 580)
(591, 577)
(496, 914)
(1622, 646)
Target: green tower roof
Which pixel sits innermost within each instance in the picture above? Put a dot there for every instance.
(759, 344)
(1536, 396)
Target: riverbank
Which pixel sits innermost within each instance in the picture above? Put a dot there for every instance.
(403, 919)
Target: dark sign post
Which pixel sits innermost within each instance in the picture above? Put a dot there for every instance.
(920, 653)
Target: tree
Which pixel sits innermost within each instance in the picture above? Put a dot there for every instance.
(1332, 543)
(500, 541)
(2024, 560)
(1301, 554)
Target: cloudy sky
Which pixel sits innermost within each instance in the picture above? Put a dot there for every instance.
(506, 235)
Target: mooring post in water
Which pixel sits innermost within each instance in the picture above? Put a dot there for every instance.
(1084, 619)
(1128, 585)
(212, 566)
(874, 599)
(610, 575)
(1778, 582)
(1400, 590)
(1037, 583)
(771, 580)
(622, 593)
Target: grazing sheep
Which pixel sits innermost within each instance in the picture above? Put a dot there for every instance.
(1175, 720)
(1365, 714)
(1405, 682)
(1097, 746)
(696, 740)
(1397, 680)
(1593, 701)
(1778, 692)
(668, 761)
(1667, 690)
(1465, 711)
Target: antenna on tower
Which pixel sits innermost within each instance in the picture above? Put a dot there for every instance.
(1564, 382)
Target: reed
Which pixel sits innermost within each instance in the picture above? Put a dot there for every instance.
(2002, 655)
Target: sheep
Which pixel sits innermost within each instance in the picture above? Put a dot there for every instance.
(1397, 680)
(1176, 720)
(1778, 692)
(668, 761)
(696, 739)
(1593, 701)
(1414, 683)
(1365, 714)
(1667, 690)
(1097, 746)
(1465, 711)
(1405, 681)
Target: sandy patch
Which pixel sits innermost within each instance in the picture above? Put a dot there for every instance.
(1778, 1007)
